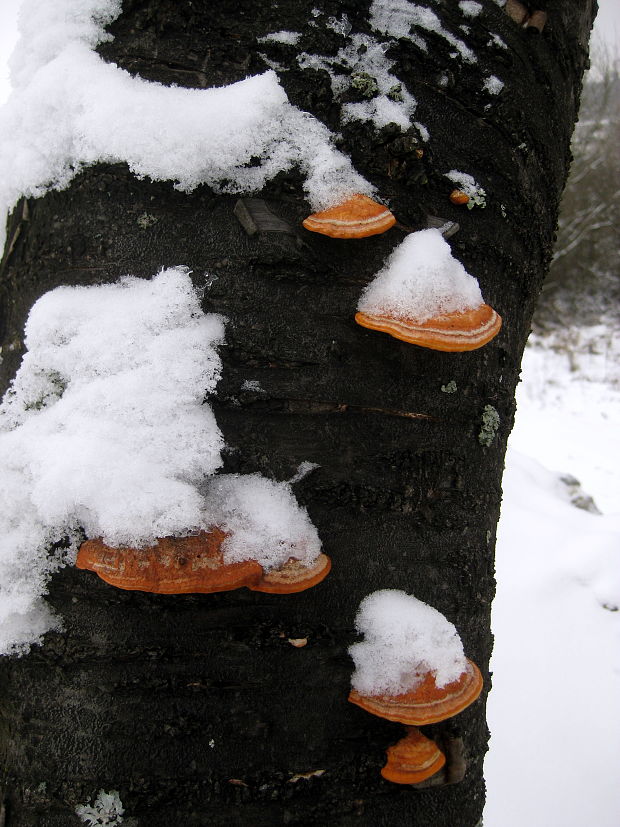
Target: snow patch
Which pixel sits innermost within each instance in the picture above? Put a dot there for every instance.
(70, 109)
(493, 85)
(420, 280)
(404, 639)
(290, 38)
(396, 17)
(364, 55)
(103, 430)
(470, 8)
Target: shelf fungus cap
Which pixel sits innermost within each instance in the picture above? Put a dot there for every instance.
(453, 332)
(358, 217)
(413, 759)
(424, 296)
(294, 576)
(427, 703)
(459, 197)
(174, 565)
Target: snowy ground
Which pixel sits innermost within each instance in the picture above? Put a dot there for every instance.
(554, 712)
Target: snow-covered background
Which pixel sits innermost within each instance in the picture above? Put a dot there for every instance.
(554, 711)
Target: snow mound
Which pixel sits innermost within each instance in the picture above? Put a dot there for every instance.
(264, 519)
(70, 109)
(404, 639)
(103, 428)
(421, 280)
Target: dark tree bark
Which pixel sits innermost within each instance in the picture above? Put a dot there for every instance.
(196, 708)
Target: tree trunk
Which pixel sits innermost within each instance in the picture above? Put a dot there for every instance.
(196, 707)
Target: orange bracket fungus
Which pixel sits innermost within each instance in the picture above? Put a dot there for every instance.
(294, 576)
(358, 217)
(459, 197)
(186, 565)
(410, 668)
(425, 297)
(174, 565)
(413, 759)
(427, 703)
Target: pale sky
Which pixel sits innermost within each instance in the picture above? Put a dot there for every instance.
(607, 27)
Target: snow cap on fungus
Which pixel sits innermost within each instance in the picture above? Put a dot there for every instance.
(410, 667)
(358, 217)
(413, 759)
(174, 565)
(424, 296)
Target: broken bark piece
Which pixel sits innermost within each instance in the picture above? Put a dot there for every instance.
(174, 565)
(446, 228)
(536, 21)
(453, 771)
(517, 11)
(294, 576)
(255, 217)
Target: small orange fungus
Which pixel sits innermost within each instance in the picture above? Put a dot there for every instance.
(413, 759)
(454, 332)
(427, 703)
(358, 217)
(293, 576)
(459, 197)
(174, 565)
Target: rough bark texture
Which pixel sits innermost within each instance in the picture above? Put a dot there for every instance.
(197, 708)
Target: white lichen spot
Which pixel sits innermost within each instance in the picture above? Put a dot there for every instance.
(303, 470)
(468, 184)
(288, 38)
(146, 220)
(470, 8)
(496, 40)
(490, 426)
(450, 387)
(342, 27)
(252, 385)
(211, 743)
(493, 85)
(424, 133)
(107, 810)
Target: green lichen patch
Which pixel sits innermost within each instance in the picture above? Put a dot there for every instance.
(145, 221)
(490, 425)
(450, 387)
(364, 84)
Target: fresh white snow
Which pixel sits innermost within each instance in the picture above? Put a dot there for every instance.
(103, 428)
(554, 710)
(69, 109)
(365, 57)
(264, 520)
(404, 640)
(421, 280)
(397, 17)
